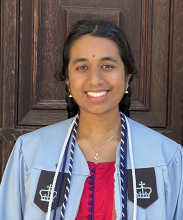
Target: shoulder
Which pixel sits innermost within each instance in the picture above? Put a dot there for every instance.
(150, 147)
(43, 146)
(49, 132)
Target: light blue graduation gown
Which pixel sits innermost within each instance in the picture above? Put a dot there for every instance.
(40, 150)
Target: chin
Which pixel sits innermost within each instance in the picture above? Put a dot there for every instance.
(99, 110)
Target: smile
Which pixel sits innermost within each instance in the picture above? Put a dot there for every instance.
(97, 94)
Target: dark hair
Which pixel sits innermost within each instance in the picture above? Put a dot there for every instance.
(105, 29)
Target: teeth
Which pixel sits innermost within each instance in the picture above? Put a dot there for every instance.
(96, 94)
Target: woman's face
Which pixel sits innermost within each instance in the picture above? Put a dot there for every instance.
(96, 74)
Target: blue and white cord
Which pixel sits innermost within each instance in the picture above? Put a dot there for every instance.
(123, 170)
(58, 167)
(70, 169)
(133, 170)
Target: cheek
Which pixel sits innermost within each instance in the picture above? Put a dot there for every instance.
(76, 86)
(75, 83)
(118, 81)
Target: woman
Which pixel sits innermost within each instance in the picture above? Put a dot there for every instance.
(83, 168)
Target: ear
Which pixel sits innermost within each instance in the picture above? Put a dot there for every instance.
(127, 78)
(67, 82)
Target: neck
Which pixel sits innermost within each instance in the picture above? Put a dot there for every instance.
(98, 127)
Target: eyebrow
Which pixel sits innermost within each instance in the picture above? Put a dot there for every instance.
(77, 60)
(110, 59)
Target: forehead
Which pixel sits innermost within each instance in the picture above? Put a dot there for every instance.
(97, 47)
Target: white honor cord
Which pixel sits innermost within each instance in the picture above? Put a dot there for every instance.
(133, 170)
(58, 168)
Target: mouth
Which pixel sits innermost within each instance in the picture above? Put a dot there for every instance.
(97, 94)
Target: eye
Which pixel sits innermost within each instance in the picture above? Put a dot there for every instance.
(107, 66)
(82, 68)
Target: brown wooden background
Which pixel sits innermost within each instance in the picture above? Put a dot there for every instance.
(32, 35)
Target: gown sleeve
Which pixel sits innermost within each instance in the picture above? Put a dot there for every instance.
(175, 172)
(12, 197)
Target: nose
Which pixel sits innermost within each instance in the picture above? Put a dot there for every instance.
(95, 76)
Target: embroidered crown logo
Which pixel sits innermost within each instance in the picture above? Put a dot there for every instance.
(45, 194)
(143, 192)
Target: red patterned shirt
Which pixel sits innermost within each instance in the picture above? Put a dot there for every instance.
(97, 201)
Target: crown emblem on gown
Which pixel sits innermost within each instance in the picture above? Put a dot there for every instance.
(143, 192)
(45, 194)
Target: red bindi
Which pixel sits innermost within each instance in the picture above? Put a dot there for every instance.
(93, 55)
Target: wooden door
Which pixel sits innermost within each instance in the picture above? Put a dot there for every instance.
(32, 36)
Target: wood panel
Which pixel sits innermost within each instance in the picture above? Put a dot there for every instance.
(8, 74)
(175, 86)
(25, 64)
(44, 92)
(8, 62)
(5, 148)
(159, 66)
